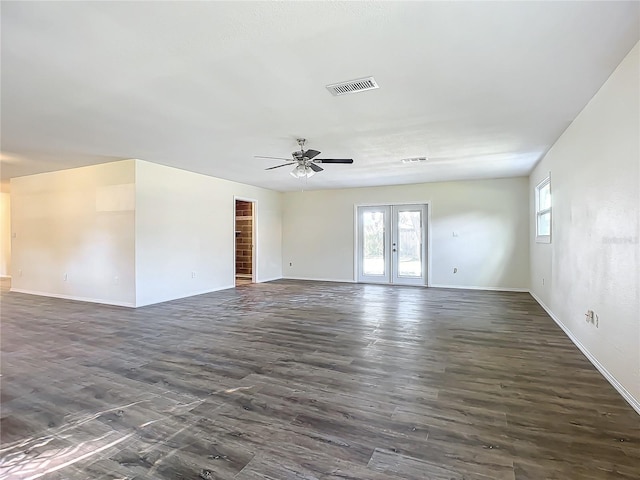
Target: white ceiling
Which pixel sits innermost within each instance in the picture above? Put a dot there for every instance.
(482, 89)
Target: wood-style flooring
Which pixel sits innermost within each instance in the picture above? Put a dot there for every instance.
(306, 380)
(243, 280)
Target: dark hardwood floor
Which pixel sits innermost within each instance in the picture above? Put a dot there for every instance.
(304, 380)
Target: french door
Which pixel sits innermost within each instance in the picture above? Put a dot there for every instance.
(392, 246)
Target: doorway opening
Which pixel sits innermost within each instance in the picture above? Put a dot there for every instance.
(392, 244)
(244, 238)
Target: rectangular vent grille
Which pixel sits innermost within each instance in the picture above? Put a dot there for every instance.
(352, 86)
(414, 160)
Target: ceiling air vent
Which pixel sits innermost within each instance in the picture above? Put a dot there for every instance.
(352, 86)
(414, 160)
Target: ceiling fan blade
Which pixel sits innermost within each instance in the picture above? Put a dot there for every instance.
(278, 166)
(315, 167)
(271, 158)
(333, 160)
(311, 153)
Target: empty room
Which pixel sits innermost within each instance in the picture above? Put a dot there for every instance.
(320, 240)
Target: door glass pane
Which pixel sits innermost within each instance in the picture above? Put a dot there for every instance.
(409, 244)
(373, 243)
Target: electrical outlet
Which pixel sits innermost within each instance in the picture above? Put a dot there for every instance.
(193, 274)
(291, 264)
(543, 281)
(455, 270)
(65, 277)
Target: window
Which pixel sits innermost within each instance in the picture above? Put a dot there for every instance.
(543, 211)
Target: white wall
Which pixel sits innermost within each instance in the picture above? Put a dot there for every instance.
(77, 223)
(185, 225)
(593, 262)
(490, 217)
(5, 234)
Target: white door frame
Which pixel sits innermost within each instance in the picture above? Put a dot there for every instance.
(427, 205)
(254, 237)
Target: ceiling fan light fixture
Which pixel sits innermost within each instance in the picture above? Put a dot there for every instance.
(302, 171)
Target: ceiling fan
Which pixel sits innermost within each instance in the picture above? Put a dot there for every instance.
(305, 161)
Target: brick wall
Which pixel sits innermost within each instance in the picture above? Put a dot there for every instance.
(244, 236)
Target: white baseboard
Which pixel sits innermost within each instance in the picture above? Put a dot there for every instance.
(461, 287)
(73, 297)
(186, 295)
(631, 400)
(119, 304)
(263, 280)
(318, 279)
(490, 289)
